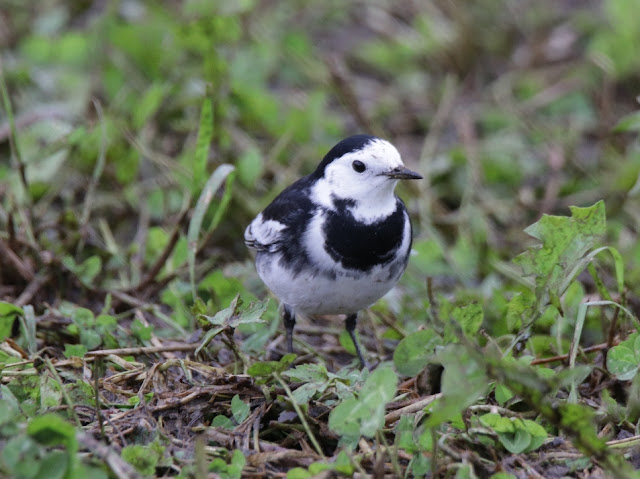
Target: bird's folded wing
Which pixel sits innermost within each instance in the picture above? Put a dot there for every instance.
(283, 221)
(264, 235)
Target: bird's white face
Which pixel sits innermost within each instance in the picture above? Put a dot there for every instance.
(362, 176)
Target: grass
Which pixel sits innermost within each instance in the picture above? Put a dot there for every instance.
(141, 139)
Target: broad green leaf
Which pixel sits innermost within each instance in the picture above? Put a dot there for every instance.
(465, 472)
(380, 386)
(85, 271)
(623, 360)
(521, 306)
(347, 418)
(498, 423)
(516, 435)
(469, 317)
(565, 241)
(239, 409)
(8, 314)
(251, 314)
(77, 350)
(538, 434)
(51, 430)
(8, 411)
(223, 316)
(415, 351)
(298, 473)
(140, 330)
(463, 381)
(238, 461)
(54, 465)
(502, 394)
(50, 393)
(143, 458)
(8, 309)
(20, 455)
(311, 372)
(304, 393)
(223, 422)
(266, 368)
(515, 442)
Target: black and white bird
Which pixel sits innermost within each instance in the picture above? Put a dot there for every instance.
(337, 240)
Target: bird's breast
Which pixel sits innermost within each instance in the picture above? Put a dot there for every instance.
(359, 246)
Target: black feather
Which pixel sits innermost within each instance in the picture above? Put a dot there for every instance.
(360, 246)
(294, 209)
(348, 145)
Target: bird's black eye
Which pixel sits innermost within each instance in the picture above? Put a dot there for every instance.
(358, 166)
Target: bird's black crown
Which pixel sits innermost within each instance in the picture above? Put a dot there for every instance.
(348, 145)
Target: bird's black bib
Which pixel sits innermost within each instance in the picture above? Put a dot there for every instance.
(361, 246)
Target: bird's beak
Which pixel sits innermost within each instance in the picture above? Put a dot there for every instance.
(402, 173)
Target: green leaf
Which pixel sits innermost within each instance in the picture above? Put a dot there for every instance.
(50, 393)
(223, 316)
(623, 360)
(223, 422)
(251, 314)
(565, 242)
(298, 473)
(266, 368)
(628, 123)
(20, 455)
(54, 465)
(304, 393)
(51, 430)
(469, 317)
(143, 458)
(516, 435)
(537, 432)
(503, 394)
(222, 173)
(205, 134)
(522, 305)
(347, 417)
(149, 103)
(364, 416)
(308, 373)
(8, 309)
(463, 381)
(140, 330)
(238, 461)
(415, 351)
(515, 442)
(85, 271)
(239, 409)
(380, 386)
(8, 314)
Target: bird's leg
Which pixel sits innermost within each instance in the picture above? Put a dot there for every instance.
(289, 320)
(351, 329)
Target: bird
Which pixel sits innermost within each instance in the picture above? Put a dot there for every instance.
(337, 240)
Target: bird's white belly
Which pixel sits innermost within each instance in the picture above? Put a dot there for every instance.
(345, 292)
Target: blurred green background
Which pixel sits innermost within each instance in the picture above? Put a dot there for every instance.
(509, 109)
